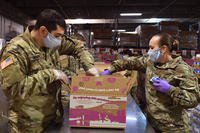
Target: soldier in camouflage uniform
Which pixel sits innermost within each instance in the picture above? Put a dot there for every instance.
(31, 75)
(69, 61)
(173, 91)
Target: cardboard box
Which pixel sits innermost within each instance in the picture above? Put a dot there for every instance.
(99, 102)
(188, 39)
(196, 66)
(102, 32)
(129, 40)
(170, 27)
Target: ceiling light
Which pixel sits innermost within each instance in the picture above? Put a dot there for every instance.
(131, 32)
(154, 20)
(119, 30)
(130, 14)
(79, 19)
(118, 39)
(98, 41)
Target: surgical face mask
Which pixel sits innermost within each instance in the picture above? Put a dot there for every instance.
(154, 55)
(50, 41)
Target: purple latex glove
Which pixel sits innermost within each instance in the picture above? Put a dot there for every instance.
(161, 85)
(105, 72)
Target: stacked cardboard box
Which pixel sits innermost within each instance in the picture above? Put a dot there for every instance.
(100, 33)
(194, 114)
(170, 27)
(196, 66)
(129, 40)
(188, 39)
(145, 33)
(102, 42)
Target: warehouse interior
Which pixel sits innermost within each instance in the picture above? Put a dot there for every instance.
(113, 28)
(87, 16)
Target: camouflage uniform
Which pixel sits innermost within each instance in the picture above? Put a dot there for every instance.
(166, 112)
(69, 64)
(29, 83)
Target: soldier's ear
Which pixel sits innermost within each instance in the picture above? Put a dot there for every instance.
(43, 31)
(164, 49)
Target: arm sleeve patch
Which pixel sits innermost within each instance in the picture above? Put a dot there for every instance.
(8, 61)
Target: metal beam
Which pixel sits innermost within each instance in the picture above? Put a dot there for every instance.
(144, 20)
(12, 13)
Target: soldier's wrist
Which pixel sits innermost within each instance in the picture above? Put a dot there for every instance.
(88, 67)
(171, 90)
(55, 73)
(93, 71)
(111, 69)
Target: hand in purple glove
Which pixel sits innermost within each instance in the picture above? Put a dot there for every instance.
(161, 85)
(105, 72)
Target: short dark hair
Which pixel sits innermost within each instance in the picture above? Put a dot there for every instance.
(168, 40)
(50, 19)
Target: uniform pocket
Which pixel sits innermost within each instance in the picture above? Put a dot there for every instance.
(37, 63)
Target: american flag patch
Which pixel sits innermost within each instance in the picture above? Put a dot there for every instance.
(7, 62)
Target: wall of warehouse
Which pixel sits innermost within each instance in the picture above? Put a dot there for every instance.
(7, 25)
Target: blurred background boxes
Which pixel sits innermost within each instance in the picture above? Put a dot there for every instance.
(145, 33)
(129, 40)
(102, 32)
(170, 27)
(188, 40)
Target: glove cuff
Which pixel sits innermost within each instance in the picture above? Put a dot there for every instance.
(56, 73)
(93, 71)
(171, 89)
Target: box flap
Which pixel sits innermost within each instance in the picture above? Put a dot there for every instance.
(103, 85)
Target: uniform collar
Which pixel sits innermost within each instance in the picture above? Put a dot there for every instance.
(171, 63)
(28, 37)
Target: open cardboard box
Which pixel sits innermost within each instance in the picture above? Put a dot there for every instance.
(99, 102)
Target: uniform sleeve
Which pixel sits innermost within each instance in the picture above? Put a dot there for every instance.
(68, 65)
(17, 83)
(131, 63)
(186, 94)
(74, 48)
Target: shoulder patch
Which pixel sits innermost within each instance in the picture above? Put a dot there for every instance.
(8, 61)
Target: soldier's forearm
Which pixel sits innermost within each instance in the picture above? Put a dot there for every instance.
(86, 60)
(118, 65)
(182, 98)
(74, 48)
(131, 63)
(69, 72)
(35, 83)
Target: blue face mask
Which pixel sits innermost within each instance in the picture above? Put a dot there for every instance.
(50, 41)
(154, 55)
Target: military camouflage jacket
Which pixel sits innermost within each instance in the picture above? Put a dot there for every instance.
(28, 79)
(166, 111)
